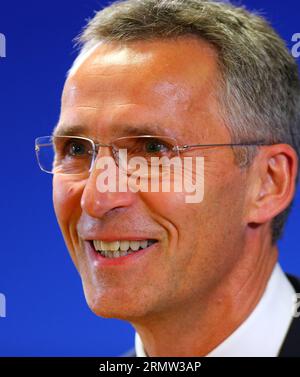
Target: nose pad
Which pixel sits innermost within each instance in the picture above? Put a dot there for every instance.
(98, 153)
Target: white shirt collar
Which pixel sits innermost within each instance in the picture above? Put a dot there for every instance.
(265, 329)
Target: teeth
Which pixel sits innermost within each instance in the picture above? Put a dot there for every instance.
(120, 248)
(124, 245)
(135, 245)
(97, 245)
(144, 244)
(114, 245)
(115, 254)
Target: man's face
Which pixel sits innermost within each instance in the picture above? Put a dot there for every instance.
(164, 88)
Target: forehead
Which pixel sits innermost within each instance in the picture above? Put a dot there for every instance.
(183, 59)
(186, 51)
(176, 78)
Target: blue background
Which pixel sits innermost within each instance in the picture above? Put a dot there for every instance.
(46, 311)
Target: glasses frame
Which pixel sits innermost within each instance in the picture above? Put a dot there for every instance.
(176, 148)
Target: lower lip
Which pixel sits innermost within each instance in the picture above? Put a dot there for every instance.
(130, 258)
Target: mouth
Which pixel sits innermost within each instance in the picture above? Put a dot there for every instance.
(120, 248)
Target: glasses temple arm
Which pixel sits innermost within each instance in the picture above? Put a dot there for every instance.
(182, 148)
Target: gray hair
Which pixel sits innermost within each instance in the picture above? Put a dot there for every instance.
(259, 79)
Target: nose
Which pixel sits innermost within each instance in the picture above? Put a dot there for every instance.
(104, 190)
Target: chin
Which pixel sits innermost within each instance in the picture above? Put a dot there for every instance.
(132, 312)
(114, 312)
(105, 304)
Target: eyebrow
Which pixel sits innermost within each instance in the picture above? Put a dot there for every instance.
(72, 130)
(120, 130)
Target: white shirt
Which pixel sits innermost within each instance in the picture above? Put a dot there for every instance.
(265, 329)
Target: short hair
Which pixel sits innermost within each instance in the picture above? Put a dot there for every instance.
(259, 86)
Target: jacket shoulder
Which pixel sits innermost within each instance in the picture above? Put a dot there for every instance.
(295, 281)
(291, 344)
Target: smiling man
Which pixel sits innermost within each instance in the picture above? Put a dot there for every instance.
(194, 279)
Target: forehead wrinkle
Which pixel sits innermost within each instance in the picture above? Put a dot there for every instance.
(116, 130)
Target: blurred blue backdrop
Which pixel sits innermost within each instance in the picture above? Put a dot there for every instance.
(46, 311)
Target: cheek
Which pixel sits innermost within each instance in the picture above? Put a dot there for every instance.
(66, 199)
(171, 211)
(220, 209)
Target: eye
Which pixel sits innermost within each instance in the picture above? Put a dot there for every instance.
(155, 146)
(77, 148)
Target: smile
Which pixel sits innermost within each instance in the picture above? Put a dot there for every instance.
(122, 248)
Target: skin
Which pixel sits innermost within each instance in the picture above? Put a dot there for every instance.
(206, 275)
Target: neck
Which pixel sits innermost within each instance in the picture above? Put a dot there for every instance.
(196, 328)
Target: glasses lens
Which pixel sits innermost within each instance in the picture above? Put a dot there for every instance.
(64, 154)
(144, 155)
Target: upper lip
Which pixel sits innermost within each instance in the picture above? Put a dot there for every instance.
(91, 232)
(111, 238)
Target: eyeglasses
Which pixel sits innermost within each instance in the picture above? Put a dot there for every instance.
(76, 154)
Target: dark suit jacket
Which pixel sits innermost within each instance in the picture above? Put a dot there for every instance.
(291, 344)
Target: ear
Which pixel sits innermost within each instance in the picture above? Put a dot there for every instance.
(272, 182)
